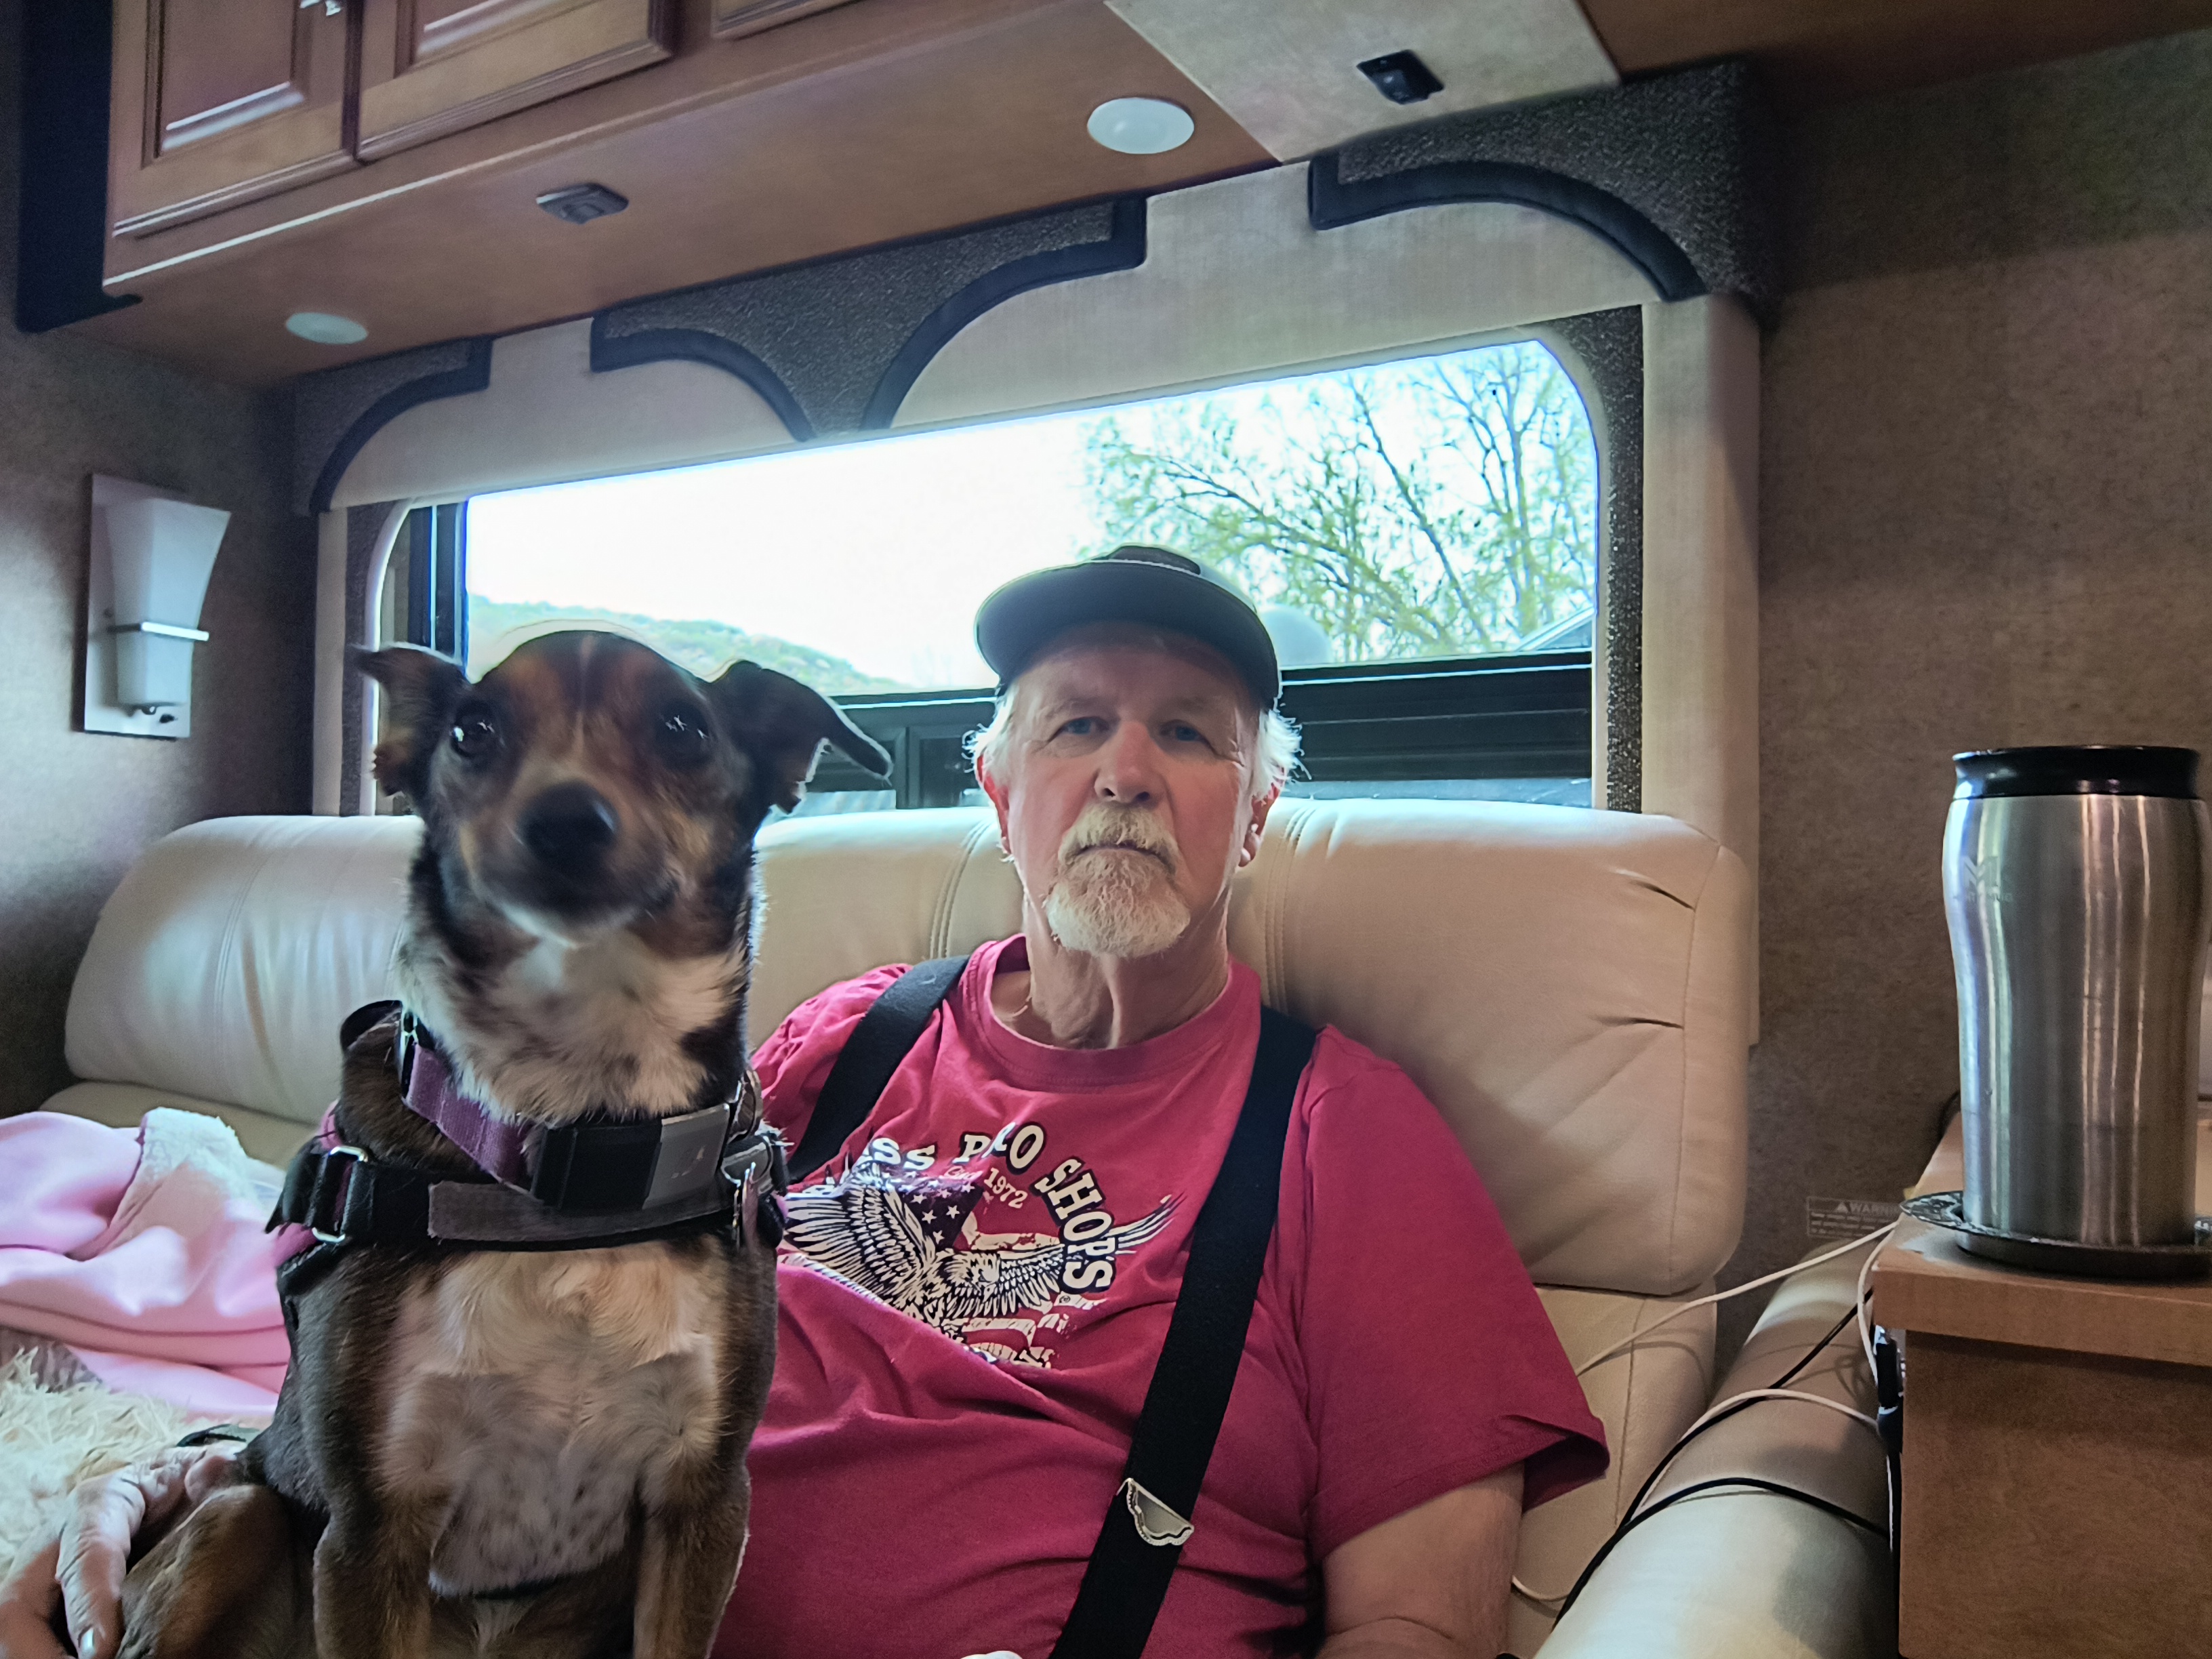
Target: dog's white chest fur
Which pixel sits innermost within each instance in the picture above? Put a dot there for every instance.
(541, 1395)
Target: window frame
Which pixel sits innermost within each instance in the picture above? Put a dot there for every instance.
(1525, 715)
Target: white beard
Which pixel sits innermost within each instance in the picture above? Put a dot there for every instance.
(1117, 904)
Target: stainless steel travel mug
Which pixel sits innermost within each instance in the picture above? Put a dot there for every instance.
(2075, 884)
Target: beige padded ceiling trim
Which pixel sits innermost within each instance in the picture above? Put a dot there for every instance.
(1287, 69)
(1238, 285)
(547, 418)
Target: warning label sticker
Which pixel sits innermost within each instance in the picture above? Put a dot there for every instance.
(1836, 1220)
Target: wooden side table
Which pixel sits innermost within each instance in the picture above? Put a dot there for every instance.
(2058, 1462)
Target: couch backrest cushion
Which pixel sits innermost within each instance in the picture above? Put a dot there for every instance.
(222, 965)
(1569, 987)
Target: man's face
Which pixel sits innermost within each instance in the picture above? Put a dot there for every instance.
(1125, 791)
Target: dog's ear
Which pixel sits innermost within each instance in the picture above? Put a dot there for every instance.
(420, 689)
(784, 724)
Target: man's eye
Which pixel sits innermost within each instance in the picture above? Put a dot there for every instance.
(1082, 726)
(476, 736)
(1179, 732)
(683, 738)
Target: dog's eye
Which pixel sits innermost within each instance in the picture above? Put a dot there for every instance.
(682, 738)
(475, 736)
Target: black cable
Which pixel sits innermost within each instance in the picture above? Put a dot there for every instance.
(1635, 1512)
(1774, 1488)
(1813, 1353)
(1787, 1377)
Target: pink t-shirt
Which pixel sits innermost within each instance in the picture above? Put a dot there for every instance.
(975, 1290)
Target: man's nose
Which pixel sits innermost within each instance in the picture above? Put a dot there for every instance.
(1128, 765)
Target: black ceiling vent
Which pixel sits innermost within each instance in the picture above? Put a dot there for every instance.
(579, 204)
(1402, 77)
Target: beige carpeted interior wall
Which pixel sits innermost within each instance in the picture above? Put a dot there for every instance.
(1986, 518)
(75, 810)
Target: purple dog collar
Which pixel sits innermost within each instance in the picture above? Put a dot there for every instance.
(496, 1145)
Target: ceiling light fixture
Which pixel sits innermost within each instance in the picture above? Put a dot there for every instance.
(326, 328)
(1141, 126)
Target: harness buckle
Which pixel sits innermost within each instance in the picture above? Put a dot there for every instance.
(338, 1189)
(402, 1052)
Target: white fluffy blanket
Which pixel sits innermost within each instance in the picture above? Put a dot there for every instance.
(52, 1438)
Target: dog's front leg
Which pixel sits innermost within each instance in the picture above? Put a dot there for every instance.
(686, 1570)
(230, 1582)
(373, 1580)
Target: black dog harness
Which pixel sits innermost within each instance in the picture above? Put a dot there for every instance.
(598, 1182)
(1146, 1523)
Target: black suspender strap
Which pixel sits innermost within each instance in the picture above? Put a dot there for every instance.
(1147, 1522)
(886, 1032)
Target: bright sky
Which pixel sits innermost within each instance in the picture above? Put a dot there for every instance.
(795, 544)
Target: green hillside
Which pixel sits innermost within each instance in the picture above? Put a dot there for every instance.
(704, 648)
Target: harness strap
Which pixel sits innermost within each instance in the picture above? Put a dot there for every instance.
(345, 1197)
(1148, 1522)
(890, 1028)
(720, 1168)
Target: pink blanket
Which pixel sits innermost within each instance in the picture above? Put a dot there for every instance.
(143, 1249)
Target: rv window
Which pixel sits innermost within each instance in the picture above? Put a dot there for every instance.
(1420, 535)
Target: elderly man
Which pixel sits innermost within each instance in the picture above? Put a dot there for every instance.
(980, 1282)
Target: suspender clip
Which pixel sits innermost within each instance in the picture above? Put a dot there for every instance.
(1157, 1524)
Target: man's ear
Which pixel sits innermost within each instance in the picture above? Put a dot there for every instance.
(784, 724)
(421, 691)
(1255, 826)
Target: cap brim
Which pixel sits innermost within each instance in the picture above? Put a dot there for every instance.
(1021, 618)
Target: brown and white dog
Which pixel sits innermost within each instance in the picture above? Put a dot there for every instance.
(533, 1453)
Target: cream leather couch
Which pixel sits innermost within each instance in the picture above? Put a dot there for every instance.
(1569, 987)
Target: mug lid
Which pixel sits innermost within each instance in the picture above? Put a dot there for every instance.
(2078, 769)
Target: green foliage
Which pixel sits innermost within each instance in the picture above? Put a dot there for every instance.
(1440, 507)
(704, 648)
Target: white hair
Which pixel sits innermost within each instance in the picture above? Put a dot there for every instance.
(1275, 756)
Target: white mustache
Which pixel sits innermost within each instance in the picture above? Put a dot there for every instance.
(1104, 825)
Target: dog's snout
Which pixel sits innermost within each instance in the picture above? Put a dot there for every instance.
(570, 827)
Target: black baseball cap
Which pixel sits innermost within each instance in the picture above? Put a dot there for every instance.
(1148, 585)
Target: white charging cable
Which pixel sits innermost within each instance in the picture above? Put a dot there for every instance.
(1860, 1307)
(1821, 1260)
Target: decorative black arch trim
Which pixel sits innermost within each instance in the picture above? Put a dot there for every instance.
(1123, 249)
(1331, 202)
(696, 345)
(474, 375)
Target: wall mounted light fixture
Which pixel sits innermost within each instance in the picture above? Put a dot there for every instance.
(152, 554)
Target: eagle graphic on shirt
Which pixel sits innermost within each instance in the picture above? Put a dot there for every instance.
(909, 1242)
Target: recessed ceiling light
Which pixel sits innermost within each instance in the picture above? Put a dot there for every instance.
(326, 328)
(1141, 126)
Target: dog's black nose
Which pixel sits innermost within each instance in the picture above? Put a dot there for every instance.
(569, 826)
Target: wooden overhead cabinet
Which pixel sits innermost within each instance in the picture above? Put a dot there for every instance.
(217, 102)
(434, 67)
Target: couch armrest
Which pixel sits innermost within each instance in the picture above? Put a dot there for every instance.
(1749, 1575)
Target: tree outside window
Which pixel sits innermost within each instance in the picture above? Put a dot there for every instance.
(1442, 507)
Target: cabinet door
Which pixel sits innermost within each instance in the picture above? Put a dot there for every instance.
(215, 102)
(432, 67)
(736, 17)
